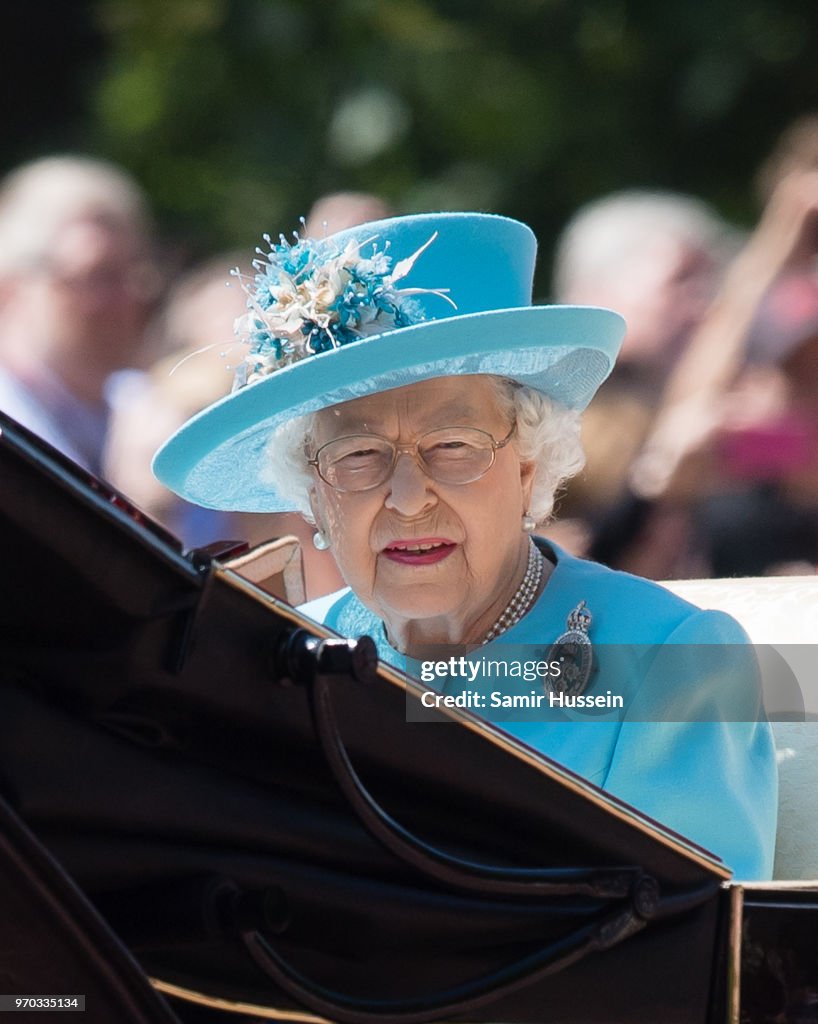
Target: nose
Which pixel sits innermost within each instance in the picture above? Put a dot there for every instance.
(410, 491)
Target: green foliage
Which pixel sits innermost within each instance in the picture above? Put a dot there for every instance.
(236, 114)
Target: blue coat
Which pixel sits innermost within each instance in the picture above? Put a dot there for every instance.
(692, 747)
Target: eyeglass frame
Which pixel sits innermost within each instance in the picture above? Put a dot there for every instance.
(413, 449)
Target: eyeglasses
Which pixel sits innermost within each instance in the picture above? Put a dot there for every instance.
(449, 455)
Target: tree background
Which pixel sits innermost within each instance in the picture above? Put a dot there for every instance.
(236, 114)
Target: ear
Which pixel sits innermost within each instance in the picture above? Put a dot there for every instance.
(528, 471)
(315, 518)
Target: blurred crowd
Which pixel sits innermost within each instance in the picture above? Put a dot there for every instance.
(702, 447)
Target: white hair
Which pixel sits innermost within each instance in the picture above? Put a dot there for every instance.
(38, 198)
(601, 240)
(547, 434)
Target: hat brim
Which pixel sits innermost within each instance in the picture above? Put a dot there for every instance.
(217, 458)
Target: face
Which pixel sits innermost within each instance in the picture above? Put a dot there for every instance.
(95, 291)
(415, 550)
(663, 297)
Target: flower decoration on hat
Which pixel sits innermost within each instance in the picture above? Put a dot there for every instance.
(311, 296)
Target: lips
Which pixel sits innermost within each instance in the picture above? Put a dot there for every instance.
(419, 550)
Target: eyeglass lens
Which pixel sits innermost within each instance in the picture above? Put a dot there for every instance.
(454, 455)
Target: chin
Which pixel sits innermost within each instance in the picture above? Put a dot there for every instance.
(417, 602)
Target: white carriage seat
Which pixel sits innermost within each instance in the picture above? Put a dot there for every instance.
(780, 613)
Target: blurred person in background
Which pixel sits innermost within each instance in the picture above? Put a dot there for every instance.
(736, 439)
(658, 257)
(195, 331)
(78, 281)
(195, 319)
(337, 211)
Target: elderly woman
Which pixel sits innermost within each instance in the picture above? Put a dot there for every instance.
(402, 392)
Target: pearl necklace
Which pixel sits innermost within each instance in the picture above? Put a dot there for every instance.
(523, 598)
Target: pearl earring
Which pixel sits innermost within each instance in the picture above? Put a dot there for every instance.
(320, 542)
(528, 523)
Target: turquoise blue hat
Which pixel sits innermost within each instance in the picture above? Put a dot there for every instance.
(376, 307)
